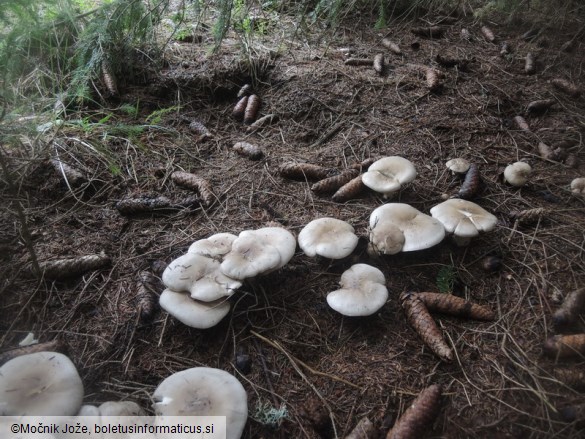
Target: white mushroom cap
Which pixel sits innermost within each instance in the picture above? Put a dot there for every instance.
(204, 391)
(458, 165)
(259, 251)
(363, 291)
(517, 173)
(121, 408)
(201, 315)
(213, 247)
(463, 219)
(88, 410)
(388, 174)
(396, 227)
(578, 185)
(40, 384)
(200, 276)
(328, 237)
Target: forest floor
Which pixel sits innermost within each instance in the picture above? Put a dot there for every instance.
(305, 357)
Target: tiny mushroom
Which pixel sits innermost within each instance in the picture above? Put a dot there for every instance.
(463, 219)
(517, 173)
(191, 312)
(458, 165)
(578, 185)
(120, 408)
(328, 237)
(259, 251)
(396, 227)
(200, 276)
(40, 384)
(204, 391)
(363, 291)
(388, 174)
(88, 410)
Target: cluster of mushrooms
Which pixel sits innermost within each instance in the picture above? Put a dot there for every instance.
(199, 282)
(48, 384)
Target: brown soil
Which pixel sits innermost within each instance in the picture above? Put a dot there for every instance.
(304, 355)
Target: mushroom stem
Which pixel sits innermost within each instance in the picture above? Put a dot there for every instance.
(461, 241)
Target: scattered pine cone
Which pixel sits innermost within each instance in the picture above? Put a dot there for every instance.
(331, 184)
(419, 417)
(429, 32)
(421, 320)
(349, 190)
(195, 183)
(305, 171)
(72, 267)
(72, 176)
(246, 149)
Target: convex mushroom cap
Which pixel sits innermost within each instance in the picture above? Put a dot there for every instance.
(396, 227)
(458, 165)
(517, 173)
(463, 219)
(363, 291)
(259, 251)
(578, 185)
(215, 246)
(191, 312)
(200, 276)
(204, 391)
(388, 174)
(40, 384)
(328, 237)
(112, 408)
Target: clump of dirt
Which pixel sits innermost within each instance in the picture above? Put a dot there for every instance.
(303, 354)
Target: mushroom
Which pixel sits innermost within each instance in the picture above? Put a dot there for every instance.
(517, 173)
(578, 185)
(200, 276)
(204, 391)
(40, 384)
(363, 291)
(397, 227)
(120, 408)
(458, 165)
(194, 313)
(259, 251)
(388, 174)
(88, 410)
(328, 237)
(463, 219)
(215, 246)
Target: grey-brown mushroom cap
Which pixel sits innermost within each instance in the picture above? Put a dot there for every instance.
(191, 312)
(200, 276)
(215, 246)
(578, 185)
(121, 408)
(388, 174)
(259, 251)
(88, 410)
(328, 237)
(517, 173)
(458, 165)
(396, 227)
(40, 384)
(363, 291)
(204, 391)
(463, 218)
